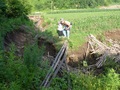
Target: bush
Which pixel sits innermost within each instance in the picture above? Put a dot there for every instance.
(14, 8)
(109, 81)
(68, 4)
(17, 75)
(93, 3)
(32, 55)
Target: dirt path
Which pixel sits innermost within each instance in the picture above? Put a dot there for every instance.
(110, 7)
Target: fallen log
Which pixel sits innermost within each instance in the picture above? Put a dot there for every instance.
(97, 47)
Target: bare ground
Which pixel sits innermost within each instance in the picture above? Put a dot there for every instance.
(75, 57)
(111, 7)
(21, 38)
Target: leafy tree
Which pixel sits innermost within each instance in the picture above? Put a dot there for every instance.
(14, 8)
(2, 7)
(67, 4)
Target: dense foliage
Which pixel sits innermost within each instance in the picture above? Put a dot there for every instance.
(27, 72)
(14, 8)
(21, 73)
(68, 4)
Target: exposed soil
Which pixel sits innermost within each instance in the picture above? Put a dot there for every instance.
(111, 7)
(49, 47)
(114, 35)
(21, 38)
(76, 58)
(40, 24)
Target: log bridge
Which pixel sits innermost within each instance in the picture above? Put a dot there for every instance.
(58, 65)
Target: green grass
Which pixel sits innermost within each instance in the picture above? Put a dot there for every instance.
(80, 10)
(85, 23)
(28, 72)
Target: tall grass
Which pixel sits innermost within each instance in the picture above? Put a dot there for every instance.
(79, 81)
(18, 73)
(109, 81)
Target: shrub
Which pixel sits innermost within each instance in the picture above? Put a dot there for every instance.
(14, 8)
(110, 81)
(17, 75)
(32, 55)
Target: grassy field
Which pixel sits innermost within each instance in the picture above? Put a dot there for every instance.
(85, 23)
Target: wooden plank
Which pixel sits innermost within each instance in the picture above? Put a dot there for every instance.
(57, 69)
(54, 65)
(50, 71)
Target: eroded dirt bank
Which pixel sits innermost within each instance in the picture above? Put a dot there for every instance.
(75, 59)
(22, 37)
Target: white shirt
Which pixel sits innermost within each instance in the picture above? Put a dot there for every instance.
(60, 27)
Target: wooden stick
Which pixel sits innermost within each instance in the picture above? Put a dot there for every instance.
(57, 69)
(87, 51)
(54, 65)
(52, 68)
